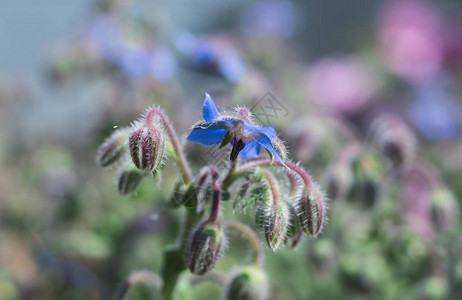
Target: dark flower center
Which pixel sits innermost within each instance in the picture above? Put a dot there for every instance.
(238, 145)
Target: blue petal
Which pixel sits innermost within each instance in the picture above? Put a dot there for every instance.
(250, 150)
(209, 110)
(266, 142)
(209, 135)
(269, 131)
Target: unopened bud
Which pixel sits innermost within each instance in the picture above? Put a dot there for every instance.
(393, 139)
(368, 171)
(311, 210)
(294, 230)
(272, 215)
(147, 147)
(273, 219)
(129, 181)
(444, 208)
(113, 149)
(339, 180)
(206, 244)
(247, 283)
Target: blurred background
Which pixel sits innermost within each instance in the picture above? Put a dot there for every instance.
(367, 95)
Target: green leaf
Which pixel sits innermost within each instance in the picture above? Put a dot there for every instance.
(225, 141)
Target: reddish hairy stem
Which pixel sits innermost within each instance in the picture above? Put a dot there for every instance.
(184, 167)
(215, 210)
(274, 189)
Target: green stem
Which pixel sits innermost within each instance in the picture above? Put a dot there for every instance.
(137, 277)
(174, 259)
(252, 238)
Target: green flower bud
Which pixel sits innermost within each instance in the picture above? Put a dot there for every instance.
(247, 283)
(129, 181)
(272, 215)
(113, 149)
(294, 230)
(444, 208)
(206, 245)
(273, 219)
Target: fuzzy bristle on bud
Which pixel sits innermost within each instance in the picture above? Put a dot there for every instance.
(247, 283)
(272, 215)
(147, 147)
(113, 149)
(311, 209)
(273, 220)
(206, 245)
(129, 181)
(294, 230)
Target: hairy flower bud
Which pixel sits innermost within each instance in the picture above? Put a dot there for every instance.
(444, 208)
(147, 147)
(368, 171)
(311, 209)
(113, 149)
(247, 283)
(339, 179)
(294, 230)
(393, 139)
(272, 215)
(274, 221)
(205, 246)
(129, 181)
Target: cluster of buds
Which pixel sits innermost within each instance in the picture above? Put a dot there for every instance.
(287, 202)
(138, 151)
(282, 213)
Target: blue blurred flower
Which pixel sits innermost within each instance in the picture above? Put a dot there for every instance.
(216, 52)
(276, 19)
(434, 113)
(237, 128)
(135, 58)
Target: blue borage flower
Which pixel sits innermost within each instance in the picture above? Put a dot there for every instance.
(236, 128)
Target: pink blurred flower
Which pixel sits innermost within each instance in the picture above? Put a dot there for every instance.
(341, 84)
(410, 39)
(453, 43)
(417, 202)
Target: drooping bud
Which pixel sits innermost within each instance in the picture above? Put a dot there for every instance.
(310, 203)
(273, 220)
(393, 139)
(368, 171)
(272, 215)
(129, 181)
(147, 147)
(294, 230)
(444, 208)
(339, 180)
(247, 283)
(206, 245)
(311, 209)
(113, 149)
